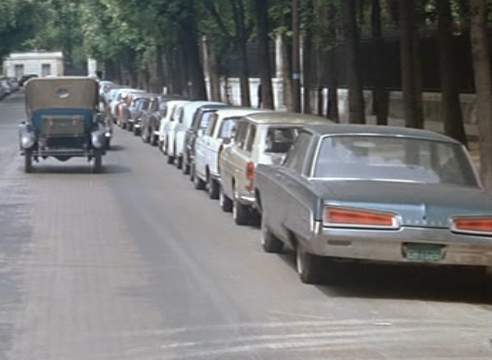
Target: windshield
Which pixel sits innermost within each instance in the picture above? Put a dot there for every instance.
(279, 140)
(392, 158)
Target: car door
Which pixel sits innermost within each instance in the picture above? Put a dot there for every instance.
(223, 132)
(296, 212)
(243, 156)
(228, 160)
(201, 144)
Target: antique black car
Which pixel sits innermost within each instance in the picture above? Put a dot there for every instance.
(62, 121)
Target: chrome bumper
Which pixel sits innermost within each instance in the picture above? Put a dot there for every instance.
(390, 245)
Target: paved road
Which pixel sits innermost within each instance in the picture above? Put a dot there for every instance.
(134, 264)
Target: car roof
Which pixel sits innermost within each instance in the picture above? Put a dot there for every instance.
(237, 112)
(340, 129)
(177, 102)
(278, 117)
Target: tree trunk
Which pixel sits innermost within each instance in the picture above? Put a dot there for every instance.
(286, 73)
(379, 95)
(411, 77)
(264, 54)
(296, 57)
(212, 67)
(307, 64)
(242, 41)
(159, 70)
(483, 85)
(198, 90)
(332, 103)
(451, 114)
(354, 81)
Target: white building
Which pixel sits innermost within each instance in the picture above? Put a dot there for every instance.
(40, 63)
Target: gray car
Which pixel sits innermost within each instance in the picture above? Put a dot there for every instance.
(375, 194)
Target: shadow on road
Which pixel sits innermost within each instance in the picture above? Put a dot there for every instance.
(40, 169)
(117, 148)
(425, 283)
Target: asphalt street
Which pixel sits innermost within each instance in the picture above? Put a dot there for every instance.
(134, 264)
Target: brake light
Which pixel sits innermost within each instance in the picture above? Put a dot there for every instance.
(472, 225)
(347, 217)
(250, 175)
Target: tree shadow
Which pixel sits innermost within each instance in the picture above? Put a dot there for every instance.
(116, 148)
(108, 169)
(410, 282)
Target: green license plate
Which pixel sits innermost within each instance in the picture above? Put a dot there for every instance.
(423, 252)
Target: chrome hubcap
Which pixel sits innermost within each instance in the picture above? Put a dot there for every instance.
(299, 264)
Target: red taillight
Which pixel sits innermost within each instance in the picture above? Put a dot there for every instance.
(359, 218)
(250, 171)
(474, 225)
(250, 175)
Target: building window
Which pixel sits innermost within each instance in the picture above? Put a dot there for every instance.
(19, 70)
(46, 70)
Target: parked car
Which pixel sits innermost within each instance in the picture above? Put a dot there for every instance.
(186, 132)
(14, 84)
(151, 121)
(25, 78)
(5, 87)
(3, 91)
(166, 122)
(63, 121)
(219, 131)
(123, 113)
(139, 104)
(371, 193)
(262, 138)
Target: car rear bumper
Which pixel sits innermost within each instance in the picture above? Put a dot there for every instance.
(392, 245)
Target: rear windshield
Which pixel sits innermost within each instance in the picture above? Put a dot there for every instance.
(394, 159)
(280, 139)
(228, 128)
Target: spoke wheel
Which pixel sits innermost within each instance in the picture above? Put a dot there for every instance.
(27, 162)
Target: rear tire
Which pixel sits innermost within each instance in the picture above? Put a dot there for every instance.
(185, 169)
(170, 159)
(224, 202)
(309, 266)
(28, 161)
(269, 242)
(179, 162)
(153, 138)
(198, 183)
(213, 189)
(97, 165)
(240, 212)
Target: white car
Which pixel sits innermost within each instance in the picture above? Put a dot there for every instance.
(185, 120)
(209, 144)
(168, 123)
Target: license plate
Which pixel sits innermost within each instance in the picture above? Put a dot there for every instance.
(423, 252)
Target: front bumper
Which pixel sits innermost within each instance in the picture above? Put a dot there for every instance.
(390, 245)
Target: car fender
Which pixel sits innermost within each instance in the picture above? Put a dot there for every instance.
(180, 137)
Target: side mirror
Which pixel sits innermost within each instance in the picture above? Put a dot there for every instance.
(200, 132)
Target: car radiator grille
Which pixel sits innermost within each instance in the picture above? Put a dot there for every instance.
(62, 126)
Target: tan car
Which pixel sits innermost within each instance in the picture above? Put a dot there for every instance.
(262, 138)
